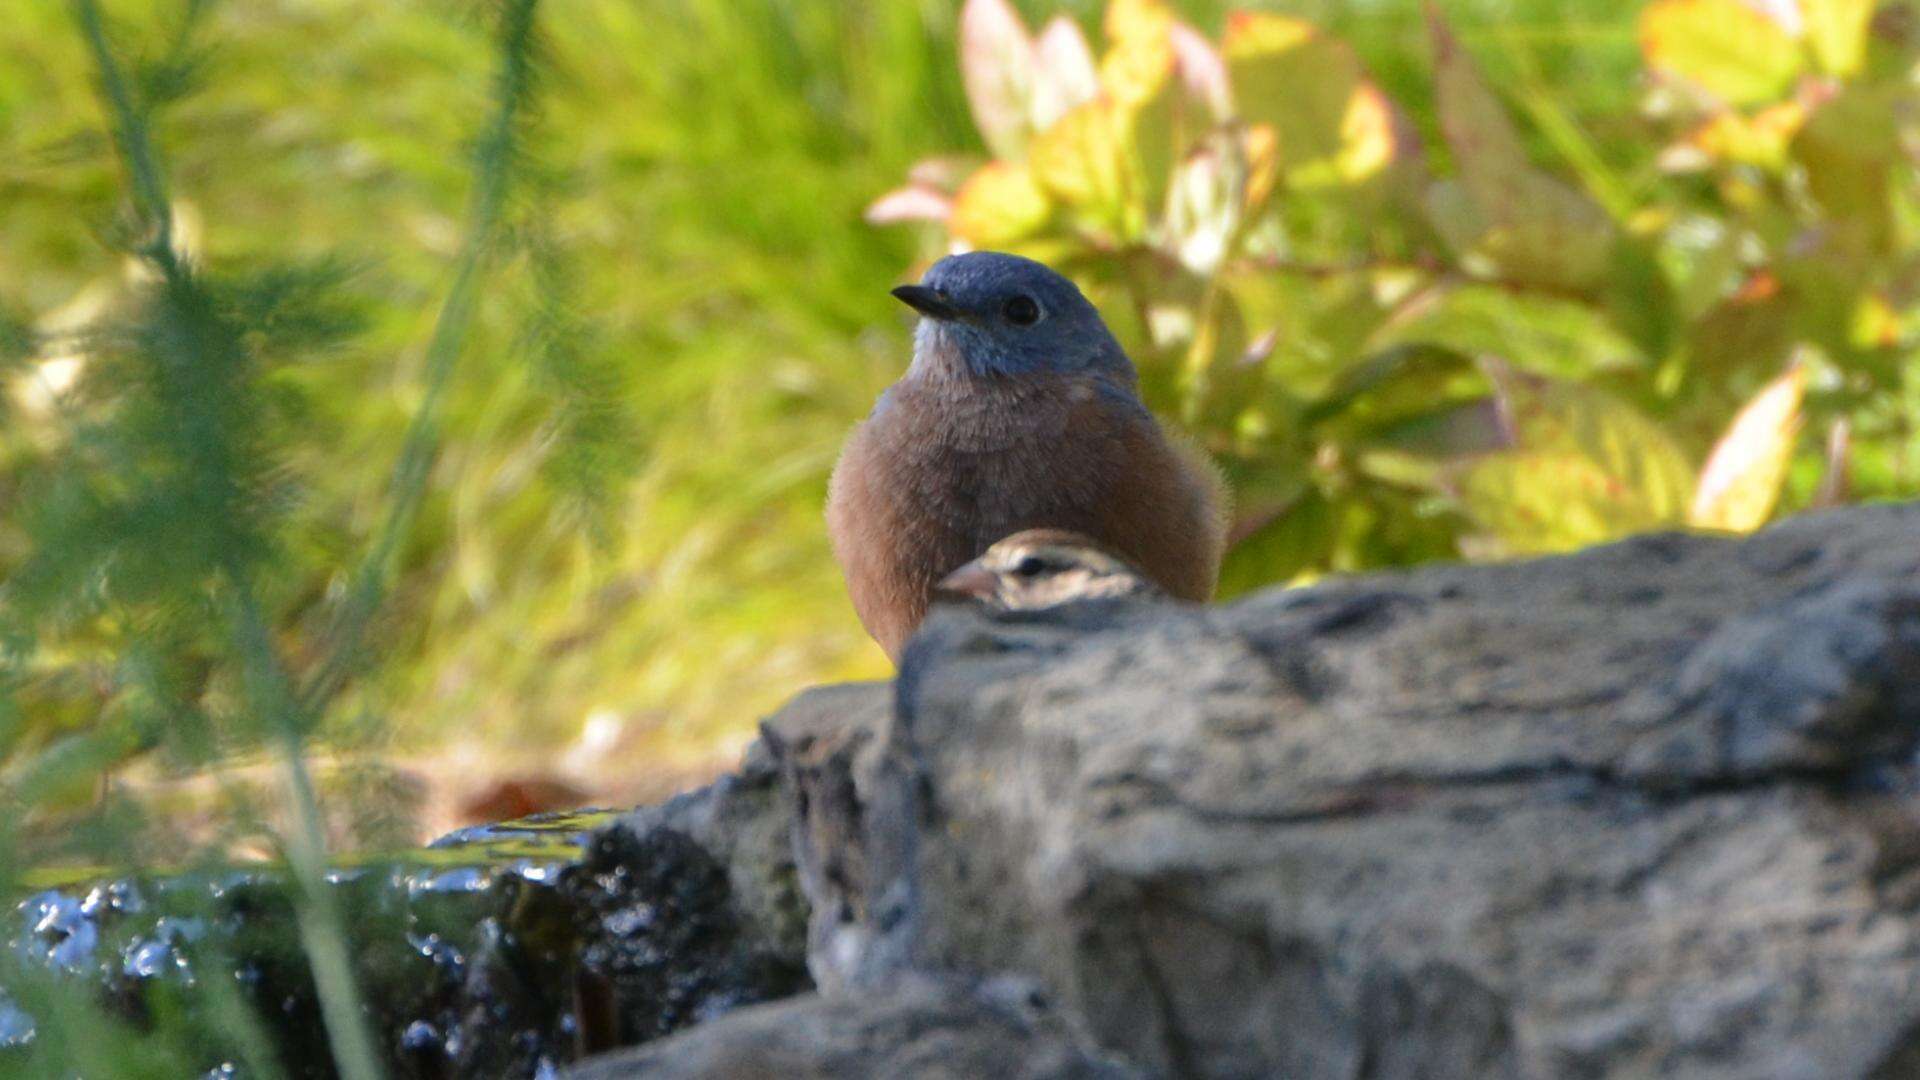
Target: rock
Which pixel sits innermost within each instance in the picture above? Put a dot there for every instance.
(1648, 810)
(744, 822)
(922, 1027)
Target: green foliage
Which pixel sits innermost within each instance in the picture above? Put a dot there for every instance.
(155, 519)
(1484, 351)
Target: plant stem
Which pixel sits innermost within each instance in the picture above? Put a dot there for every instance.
(496, 153)
(269, 689)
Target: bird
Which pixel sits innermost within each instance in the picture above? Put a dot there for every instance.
(1043, 568)
(1018, 411)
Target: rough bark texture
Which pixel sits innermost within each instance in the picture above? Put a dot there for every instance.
(923, 1028)
(1650, 810)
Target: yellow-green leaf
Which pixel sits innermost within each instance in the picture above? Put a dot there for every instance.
(1760, 140)
(1852, 147)
(1334, 126)
(1837, 32)
(1294, 544)
(1081, 161)
(1539, 502)
(1723, 47)
(1649, 472)
(1139, 60)
(1473, 121)
(1742, 478)
(999, 204)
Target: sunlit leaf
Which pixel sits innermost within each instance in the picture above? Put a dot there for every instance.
(1368, 138)
(1064, 73)
(1651, 480)
(1837, 32)
(1759, 140)
(1538, 502)
(1261, 148)
(1139, 60)
(1723, 47)
(1391, 386)
(1741, 480)
(1552, 335)
(1333, 125)
(1000, 204)
(1876, 323)
(997, 68)
(1082, 162)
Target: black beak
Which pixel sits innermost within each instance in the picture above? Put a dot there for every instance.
(929, 302)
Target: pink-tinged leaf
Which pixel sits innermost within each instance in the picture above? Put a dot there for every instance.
(944, 173)
(1837, 480)
(1742, 478)
(910, 203)
(1333, 125)
(1786, 13)
(1201, 69)
(997, 67)
(1064, 74)
(1204, 203)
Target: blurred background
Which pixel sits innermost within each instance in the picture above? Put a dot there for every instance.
(433, 402)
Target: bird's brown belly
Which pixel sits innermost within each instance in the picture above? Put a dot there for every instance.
(968, 499)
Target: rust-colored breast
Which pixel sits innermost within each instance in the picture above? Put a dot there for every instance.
(945, 468)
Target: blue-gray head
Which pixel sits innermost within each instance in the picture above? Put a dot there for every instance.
(992, 314)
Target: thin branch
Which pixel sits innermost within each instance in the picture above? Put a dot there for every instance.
(496, 154)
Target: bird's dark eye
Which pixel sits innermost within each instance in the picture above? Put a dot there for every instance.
(1022, 311)
(1030, 567)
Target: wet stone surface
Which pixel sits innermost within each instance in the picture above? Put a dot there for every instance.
(502, 951)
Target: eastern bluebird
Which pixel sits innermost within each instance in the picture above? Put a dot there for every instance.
(1019, 411)
(1041, 568)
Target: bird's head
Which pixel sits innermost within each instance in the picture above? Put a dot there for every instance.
(986, 313)
(1040, 568)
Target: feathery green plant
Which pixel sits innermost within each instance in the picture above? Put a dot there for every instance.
(156, 523)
